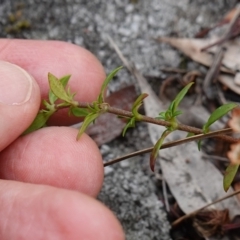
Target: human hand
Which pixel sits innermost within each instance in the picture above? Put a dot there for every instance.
(39, 171)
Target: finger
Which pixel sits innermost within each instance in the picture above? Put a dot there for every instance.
(41, 212)
(19, 102)
(59, 58)
(52, 156)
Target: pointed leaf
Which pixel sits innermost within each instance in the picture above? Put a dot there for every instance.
(161, 115)
(58, 89)
(217, 114)
(79, 112)
(180, 96)
(171, 106)
(177, 113)
(106, 82)
(139, 101)
(64, 80)
(131, 123)
(87, 121)
(229, 175)
(39, 121)
(156, 149)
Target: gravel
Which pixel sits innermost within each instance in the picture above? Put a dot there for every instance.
(129, 187)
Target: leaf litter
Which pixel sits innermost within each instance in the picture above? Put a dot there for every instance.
(193, 181)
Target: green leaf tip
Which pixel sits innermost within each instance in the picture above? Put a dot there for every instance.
(180, 96)
(105, 84)
(58, 89)
(39, 121)
(91, 117)
(229, 175)
(79, 112)
(217, 114)
(156, 149)
(139, 101)
(172, 112)
(64, 80)
(131, 123)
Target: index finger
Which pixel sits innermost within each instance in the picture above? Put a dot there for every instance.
(59, 58)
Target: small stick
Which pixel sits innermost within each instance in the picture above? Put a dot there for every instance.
(173, 70)
(170, 144)
(212, 73)
(179, 220)
(228, 33)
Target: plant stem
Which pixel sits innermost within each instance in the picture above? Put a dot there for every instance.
(182, 127)
(170, 144)
(192, 214)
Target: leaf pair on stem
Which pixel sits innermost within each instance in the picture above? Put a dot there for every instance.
(61, 97)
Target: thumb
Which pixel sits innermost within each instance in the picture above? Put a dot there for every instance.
(19, 102)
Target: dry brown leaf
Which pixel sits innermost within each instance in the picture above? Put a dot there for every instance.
(192, 48)
(237, 188)
(230, 63)
(234, 122)
(229, 82)
(211, 222)
(234, 154)
(193, 181)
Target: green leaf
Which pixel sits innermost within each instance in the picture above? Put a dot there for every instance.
(136, 105)
(106, 82)
(156, 149)
(139, 101)
(168, 115)
(131, 123)
(39, 121)
(49, 107)
(217, 114)
(172, 112)
(91, 117)
(58, 89)
(229, 175)
(79, 112)
(171, 106)
(177, 113)
(64, 80)
(161, 115)
(180, 96)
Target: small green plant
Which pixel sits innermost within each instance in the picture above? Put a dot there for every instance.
(60, 97)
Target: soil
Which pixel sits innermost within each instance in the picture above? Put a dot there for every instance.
(129, 189)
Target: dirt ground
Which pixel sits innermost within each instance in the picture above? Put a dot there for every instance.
(129, 189)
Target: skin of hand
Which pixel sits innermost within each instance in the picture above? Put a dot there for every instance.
(48, 179)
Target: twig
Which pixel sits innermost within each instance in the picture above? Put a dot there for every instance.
(217, 61)
(212, 74)
(214, 157)
(173, 70)
(228, 33)
(179, 220)
(170, 144)
(127, 114)
(135, 72)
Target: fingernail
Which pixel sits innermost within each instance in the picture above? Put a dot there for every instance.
(15, 84)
